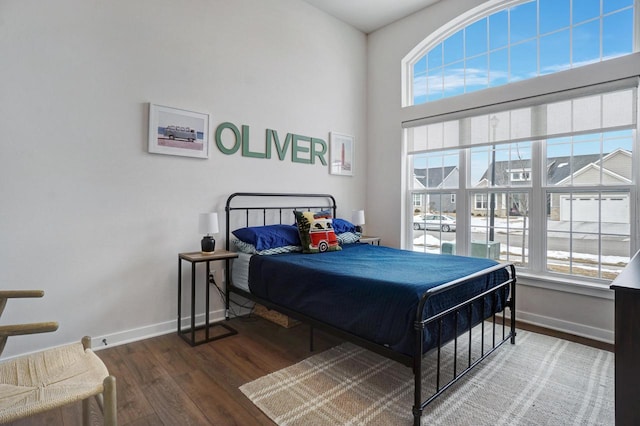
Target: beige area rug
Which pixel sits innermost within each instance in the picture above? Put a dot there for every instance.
(540, 380)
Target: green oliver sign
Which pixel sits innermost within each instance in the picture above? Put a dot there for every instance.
(304, 149)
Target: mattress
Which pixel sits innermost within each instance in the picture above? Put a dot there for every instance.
(240, 271)
(373, 291)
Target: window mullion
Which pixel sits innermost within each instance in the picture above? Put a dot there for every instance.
(537, 213)
(463, 204)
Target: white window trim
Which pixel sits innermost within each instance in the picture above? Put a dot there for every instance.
(565, 285)
(548, 88)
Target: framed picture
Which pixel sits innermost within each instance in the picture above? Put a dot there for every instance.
(176, 131)
(340, 154)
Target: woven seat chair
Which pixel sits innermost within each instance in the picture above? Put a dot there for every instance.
(49, 379)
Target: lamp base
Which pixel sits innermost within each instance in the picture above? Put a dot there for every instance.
(208, 244)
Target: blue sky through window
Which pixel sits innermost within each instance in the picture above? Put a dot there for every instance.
(524, 41)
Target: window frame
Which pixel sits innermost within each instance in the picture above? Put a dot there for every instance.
(484, 201)
(492, 99)
(536, 266)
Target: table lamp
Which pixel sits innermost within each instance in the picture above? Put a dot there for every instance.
(208, 226)
(357, 218)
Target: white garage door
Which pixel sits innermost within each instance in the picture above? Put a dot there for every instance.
(615, 208)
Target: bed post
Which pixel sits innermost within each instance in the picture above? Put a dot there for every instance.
(227, 246)
(512, 304)
(417, 371)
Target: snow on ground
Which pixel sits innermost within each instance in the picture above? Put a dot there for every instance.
(427, 240)
(430, 244)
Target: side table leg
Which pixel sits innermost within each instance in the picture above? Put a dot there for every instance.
(227, 283)
(179, 294)
(206, 303)
(193, 303)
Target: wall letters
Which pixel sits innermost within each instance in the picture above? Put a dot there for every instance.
(304, 149)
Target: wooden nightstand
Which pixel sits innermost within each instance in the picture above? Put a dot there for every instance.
(370, 240)
(189, 334)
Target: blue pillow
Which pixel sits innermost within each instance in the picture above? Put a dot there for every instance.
(270, 236)
(341, 226)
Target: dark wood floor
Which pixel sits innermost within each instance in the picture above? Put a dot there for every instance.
(164, 381)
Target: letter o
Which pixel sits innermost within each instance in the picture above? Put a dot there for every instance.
(236, 132)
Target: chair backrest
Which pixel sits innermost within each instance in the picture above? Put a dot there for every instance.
(21, 329)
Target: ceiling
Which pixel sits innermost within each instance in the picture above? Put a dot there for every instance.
(369, 15)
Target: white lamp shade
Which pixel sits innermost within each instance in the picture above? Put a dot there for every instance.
(209, 223)
(357, 217)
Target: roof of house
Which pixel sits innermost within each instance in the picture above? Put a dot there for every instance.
(434, 176)
(558, 168)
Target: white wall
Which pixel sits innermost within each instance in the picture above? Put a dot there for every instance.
(589, 313)
(85, 212)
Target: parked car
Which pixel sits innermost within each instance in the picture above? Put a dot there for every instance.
(179, 132)
(434, 222)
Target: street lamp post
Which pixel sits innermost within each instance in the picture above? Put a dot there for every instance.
(492, 204)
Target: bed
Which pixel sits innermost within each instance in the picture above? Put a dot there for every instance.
(398, 303)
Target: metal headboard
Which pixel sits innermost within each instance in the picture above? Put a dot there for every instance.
(307, 202)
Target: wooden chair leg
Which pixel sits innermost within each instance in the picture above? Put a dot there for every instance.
(107, 402)
(86, 412)
(86, 342)
(3, 342)
(110, 402)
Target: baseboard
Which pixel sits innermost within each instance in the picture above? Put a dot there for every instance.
(135, 334)
(140, 333)
(576, 329)
(153, 330)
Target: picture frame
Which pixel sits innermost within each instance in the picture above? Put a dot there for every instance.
(175, 131)
(341, 148)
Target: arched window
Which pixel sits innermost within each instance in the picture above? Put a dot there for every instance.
(544, 172)
(506, 41)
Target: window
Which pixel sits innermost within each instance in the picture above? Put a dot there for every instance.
(481, 202)
(500, 220)
(543, 176)
(417, 201)
(587, 183)
(523, 40)
(434, 228)
(567, 164)
(519, 175)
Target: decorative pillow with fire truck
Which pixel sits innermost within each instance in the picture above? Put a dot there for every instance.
(316, 232)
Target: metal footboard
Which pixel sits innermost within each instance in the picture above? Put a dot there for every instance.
(506, 289)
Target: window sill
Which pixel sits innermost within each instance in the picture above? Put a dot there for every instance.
(567, 285)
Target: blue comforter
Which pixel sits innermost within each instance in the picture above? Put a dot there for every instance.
(371, 291)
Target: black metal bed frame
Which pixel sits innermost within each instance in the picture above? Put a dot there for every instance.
(508, 289)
